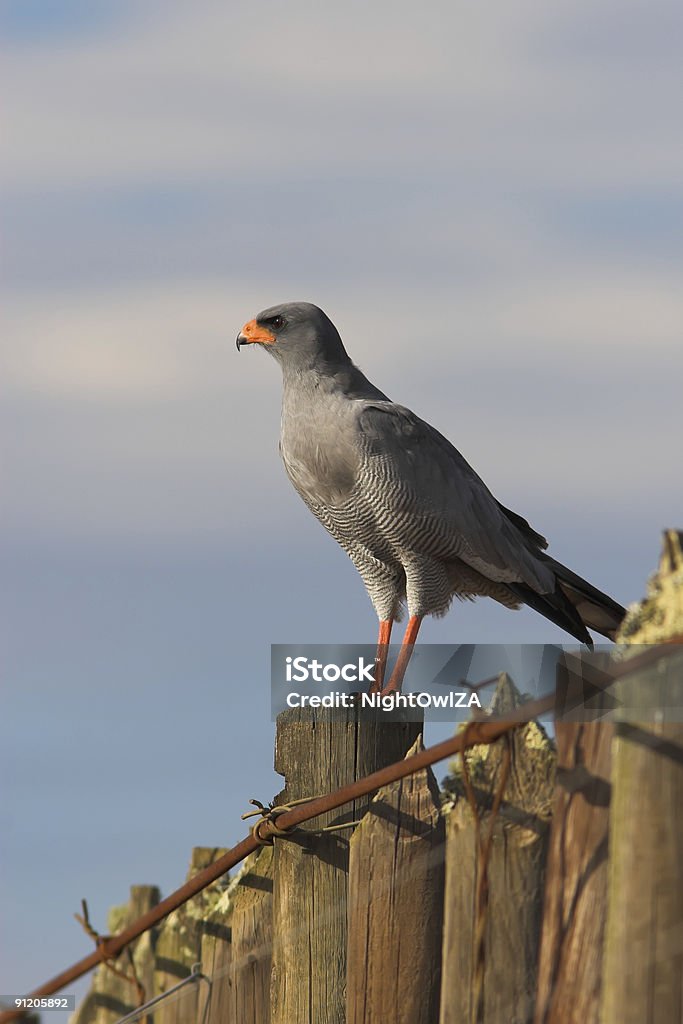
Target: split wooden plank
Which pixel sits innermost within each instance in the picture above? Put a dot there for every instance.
(396, 881)
(516, 874)
(643, 976)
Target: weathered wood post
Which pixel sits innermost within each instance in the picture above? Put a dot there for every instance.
(179, 946)
(317, 751)
(570, 963)
(643, 981)
(516, 870)
(216, 960)
(110, 995)
(252, 939)
(396, 879)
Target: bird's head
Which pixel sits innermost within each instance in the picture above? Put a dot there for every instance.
(298, 334)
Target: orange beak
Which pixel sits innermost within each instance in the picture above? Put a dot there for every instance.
(252, 334)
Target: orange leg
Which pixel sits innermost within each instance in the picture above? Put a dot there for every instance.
(412, 629)
(382, 654)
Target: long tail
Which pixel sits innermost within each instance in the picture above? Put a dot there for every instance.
(576, 605)
(598, 611)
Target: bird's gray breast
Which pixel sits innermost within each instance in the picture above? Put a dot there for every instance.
(318, 450)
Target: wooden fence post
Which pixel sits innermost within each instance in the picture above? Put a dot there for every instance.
(642, 975)
(252, 939)
(216, 960)
(179, 946)
(317, 751)
(570, 964)
(396, 878)
(516, 872)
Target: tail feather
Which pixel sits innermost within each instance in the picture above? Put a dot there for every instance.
(557, 607)
(597, 610)
(575, 605)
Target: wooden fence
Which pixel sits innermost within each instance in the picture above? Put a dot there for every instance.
(540, 885)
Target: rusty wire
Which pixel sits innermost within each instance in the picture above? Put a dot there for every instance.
(479, 731)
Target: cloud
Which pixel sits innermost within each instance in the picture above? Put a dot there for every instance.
(132, 414)
(414, 230)
(129, 345)
(378, 85)
(471, 194)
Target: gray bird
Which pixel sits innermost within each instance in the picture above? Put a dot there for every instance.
(417, 522)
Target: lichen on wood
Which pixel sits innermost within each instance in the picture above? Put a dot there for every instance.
(659, 616)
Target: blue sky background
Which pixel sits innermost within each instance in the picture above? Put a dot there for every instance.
(488, 202)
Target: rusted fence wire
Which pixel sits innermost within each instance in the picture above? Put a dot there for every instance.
(478, 731)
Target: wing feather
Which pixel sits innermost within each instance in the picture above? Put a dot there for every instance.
(442, 497)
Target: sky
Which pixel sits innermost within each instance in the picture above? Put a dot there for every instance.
(487, 201)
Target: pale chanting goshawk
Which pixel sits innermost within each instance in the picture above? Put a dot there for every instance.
(418, 523)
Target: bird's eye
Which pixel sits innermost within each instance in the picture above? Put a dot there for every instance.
(277, 322)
